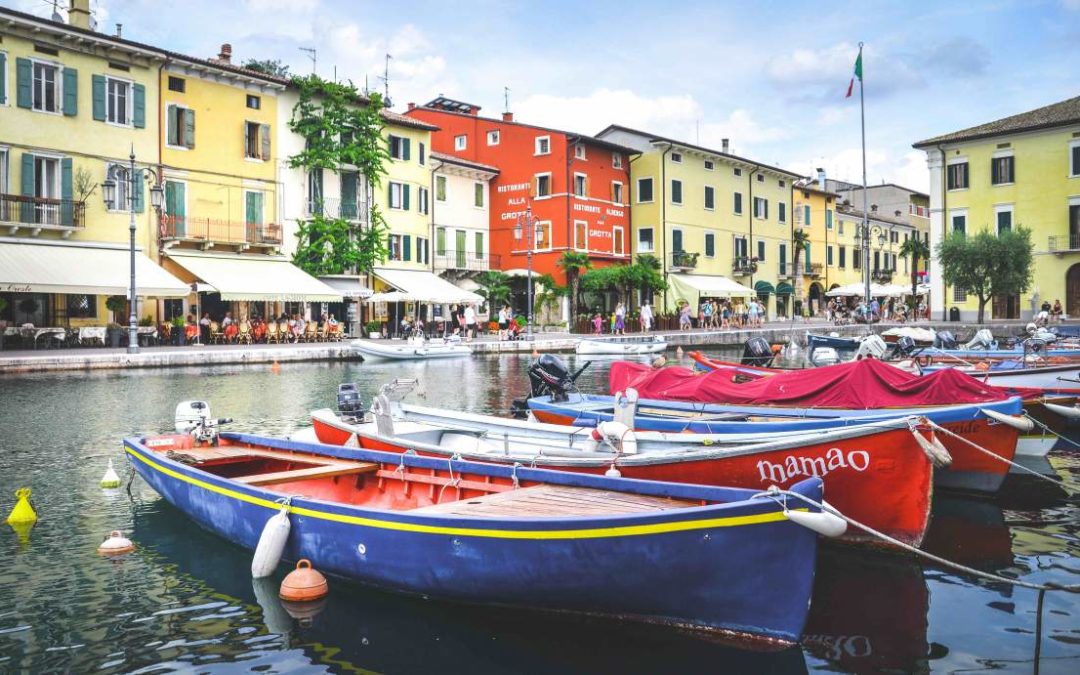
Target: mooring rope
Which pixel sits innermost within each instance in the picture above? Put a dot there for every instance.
(1051, 431)
(774, 492)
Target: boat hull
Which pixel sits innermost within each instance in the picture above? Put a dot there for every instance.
(971, 470)
(404, 351)
(617, 348)
(737, 570)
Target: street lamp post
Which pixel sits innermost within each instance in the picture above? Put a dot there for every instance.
(526, 227)
(108, 190)
(865, 234)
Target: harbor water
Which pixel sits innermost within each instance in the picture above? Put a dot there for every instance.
(185, 600)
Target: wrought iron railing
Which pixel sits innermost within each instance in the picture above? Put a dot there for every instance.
(1063, 242)
(220, 231)
(42, 211)
(743, 265)
(466, 260)
(332, 207)
(683, 260)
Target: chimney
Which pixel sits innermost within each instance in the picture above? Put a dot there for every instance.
(412, 106)
(508, 117)
(724, 145)
(79, 14)
(821, 178)
(225, 56)
(120, 30)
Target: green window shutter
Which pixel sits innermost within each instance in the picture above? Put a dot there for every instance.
(405, 143)
(24, 83)
(170, 126)
(422, 156)
(139, 116)
(479, 248)
(3, 79)
(67, 209)
(806, 215)
(27, 179)
(71, 92)
(405, 197)
(140, 204)
(189, 128)
(254, 207)
(440, 241)
(264, 141)
(348, 195)
(406, 248)
(97, 98)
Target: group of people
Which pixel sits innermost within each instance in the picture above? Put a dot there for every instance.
(1048, 313)
(509, 326)
(716, 314)
(841, 311)
(618, 318)
(291, 328)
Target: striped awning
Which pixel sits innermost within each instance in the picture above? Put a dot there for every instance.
(763, 288)
(260, 278)
(784, 288)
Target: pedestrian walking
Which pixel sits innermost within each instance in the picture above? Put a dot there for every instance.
(620, 319)
(646, 317)
(470, 322)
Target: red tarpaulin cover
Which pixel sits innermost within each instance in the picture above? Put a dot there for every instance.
(858, 385)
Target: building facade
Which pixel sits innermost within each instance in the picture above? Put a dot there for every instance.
(708, 215)
(461, 203)
(1022, 170)
(814, 211)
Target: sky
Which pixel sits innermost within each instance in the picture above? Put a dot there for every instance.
(770, 76)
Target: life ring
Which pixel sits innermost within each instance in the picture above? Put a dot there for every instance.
(924, 361)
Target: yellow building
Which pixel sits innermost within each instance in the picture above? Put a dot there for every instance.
(814, 213)
(74, 105)
(1020, 170)
(711, 218)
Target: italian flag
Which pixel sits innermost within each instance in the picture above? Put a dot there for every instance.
(857, 75)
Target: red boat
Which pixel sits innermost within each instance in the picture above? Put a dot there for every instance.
(878, 474)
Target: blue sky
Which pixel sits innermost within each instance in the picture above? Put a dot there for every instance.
(769, 76)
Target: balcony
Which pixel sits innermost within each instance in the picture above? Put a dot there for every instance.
(815, 270)
(1063, 243)
(210, 232)
(786, 272)
(881, 276)
(41, 213)
(465, 261)
(743, 266)
(353, 210)
(682, 261)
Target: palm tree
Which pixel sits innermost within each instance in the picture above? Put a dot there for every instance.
(799, 241)
(573, 264)
(494, 287)
(918, 250)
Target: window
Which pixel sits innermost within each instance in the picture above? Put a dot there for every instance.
(828, 219)
(737, 171)
(644, 190)
(959, 294)
(423, 155)
(440, 188)
(543, 235)
(856, 258)
(840, 229)
(315, 191)
(398, 200)
(423, 250)
(177, 84)
(710, 245)
(761, 250)
(710, 197)
(493, 137)
(478, 195)
(399, 148)
(579, 152)
(877, 260)
(806, 215)
(676, 158)
(253, 207)
(828, 256)
(119, 174)
(843, 257)
(957, 176)
(581, 235)
(782, 258)
(542, 145)
(676, 191)
(579, 184)
(616, 160)
(741, 247)
(118, 101)
(1003, 216)
(645, 240)
(422, 202)
(461, 142)
(616, 192)
(256, 141)
(738, 204)
(46, 97)
(543, 185)
(81, 306)
(1001, 170)
(478, 245)
(761, 208)
(781, 183)
(1074, 154)
(254, 102)
(395, 247)
(761, 178)
(709, 165)
(781, 211)
(676, 240)
(180, 124)
(440, 241)
(619, 247)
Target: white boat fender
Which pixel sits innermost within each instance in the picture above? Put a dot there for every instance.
(1068, 412)
(1021, 423)
(110, 479)
(626, 407)
(937, 453)
(271, 543)
(619, 436)
(613, 472)
(824, 523)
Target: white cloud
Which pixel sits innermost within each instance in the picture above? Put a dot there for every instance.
(882, 165)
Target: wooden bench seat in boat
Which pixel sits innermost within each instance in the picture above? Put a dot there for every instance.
(552, 501)
(325, 467)
(322, 471)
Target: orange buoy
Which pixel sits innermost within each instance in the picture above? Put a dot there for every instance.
(303, 584)
(304, 612)
(535, 353)
(116, 544)
(275, 368)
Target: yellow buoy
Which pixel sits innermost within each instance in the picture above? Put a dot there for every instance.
(110, 479)
(23, 511)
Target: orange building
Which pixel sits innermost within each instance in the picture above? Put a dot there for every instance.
(576, 186)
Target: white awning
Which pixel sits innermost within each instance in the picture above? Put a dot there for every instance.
(876, 291)
(708, 286)
(72, 267)
(255, 277)
(422, 286)
(348, 286)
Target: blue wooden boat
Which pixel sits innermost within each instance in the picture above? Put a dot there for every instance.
(727, 561)
(839, 343)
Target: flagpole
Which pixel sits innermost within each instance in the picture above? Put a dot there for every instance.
(865, 216)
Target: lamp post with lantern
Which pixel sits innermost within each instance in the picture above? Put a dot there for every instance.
(526, 227)
(864, 238)
(108, 190)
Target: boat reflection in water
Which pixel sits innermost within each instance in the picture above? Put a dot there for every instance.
(357, 627)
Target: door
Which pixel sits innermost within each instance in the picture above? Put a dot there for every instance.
(1007, 307)
(349, 209)
(175, 208)
(1072, 291)
(459, 249)
(253, 215)
(1074, 223)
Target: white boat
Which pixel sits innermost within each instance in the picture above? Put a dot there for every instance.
(413, 349)
(622, 346)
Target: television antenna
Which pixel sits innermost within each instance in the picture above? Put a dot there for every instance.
(313, 54)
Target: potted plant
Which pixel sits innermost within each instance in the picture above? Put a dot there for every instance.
(116, 303)
(28, 306)
(114, 332)
(178, 330)
(374, 329)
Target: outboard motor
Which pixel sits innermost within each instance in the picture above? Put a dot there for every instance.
(904, 345)
(548, 376)
(872, 347)
(349, 403)
(983, 339)
(944, 340)
(193, 417)
(757, 352)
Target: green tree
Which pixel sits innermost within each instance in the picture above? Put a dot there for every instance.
(274, 67)
(799, 241)
(574, 263)
(546, 294)
(494, 286)
(340, 127)
(916, 249)
(988, 265)
(625, 279)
